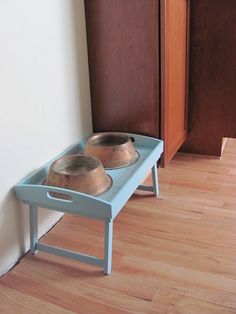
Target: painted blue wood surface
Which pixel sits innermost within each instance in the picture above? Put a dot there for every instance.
(155, 180)
(33, 219)
(108, 246)
(105, 206)
(80, 203)
(70, 254)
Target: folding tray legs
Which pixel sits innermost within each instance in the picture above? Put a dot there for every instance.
(154, 187)
(106, 263)
(35, 246)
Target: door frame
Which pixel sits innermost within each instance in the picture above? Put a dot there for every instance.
(163, 76)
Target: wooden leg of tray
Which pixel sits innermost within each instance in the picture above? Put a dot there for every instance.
(33, 220)
(108, 246)
(154, 187)
(155, 180)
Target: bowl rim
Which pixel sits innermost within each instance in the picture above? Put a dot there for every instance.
(104, 134)
(99, 164)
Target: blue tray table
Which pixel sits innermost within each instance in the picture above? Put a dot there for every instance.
(103, 207)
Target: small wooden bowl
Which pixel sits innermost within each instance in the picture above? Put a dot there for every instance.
(114, 150)
(80, 173)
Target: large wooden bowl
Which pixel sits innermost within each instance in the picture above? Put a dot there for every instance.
(80, 173)
(114, 150)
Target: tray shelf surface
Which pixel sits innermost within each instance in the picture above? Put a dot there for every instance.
(125, 181)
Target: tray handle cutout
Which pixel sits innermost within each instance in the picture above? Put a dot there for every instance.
(59, 196)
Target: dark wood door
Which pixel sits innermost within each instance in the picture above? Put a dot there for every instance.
(212, 93)
(123, 48)
(129, 76)
(174, 73)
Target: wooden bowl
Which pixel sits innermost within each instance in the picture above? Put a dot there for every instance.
(80, 173)
(114, 150)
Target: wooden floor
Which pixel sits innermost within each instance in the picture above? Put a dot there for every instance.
(175, 254)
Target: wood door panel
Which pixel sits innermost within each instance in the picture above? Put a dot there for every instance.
(129, 77)
(174, 21)
(123, 49)
(212, 96)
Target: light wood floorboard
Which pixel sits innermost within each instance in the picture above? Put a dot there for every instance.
(172, 254)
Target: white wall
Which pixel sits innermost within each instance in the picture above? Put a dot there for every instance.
(44, 102)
